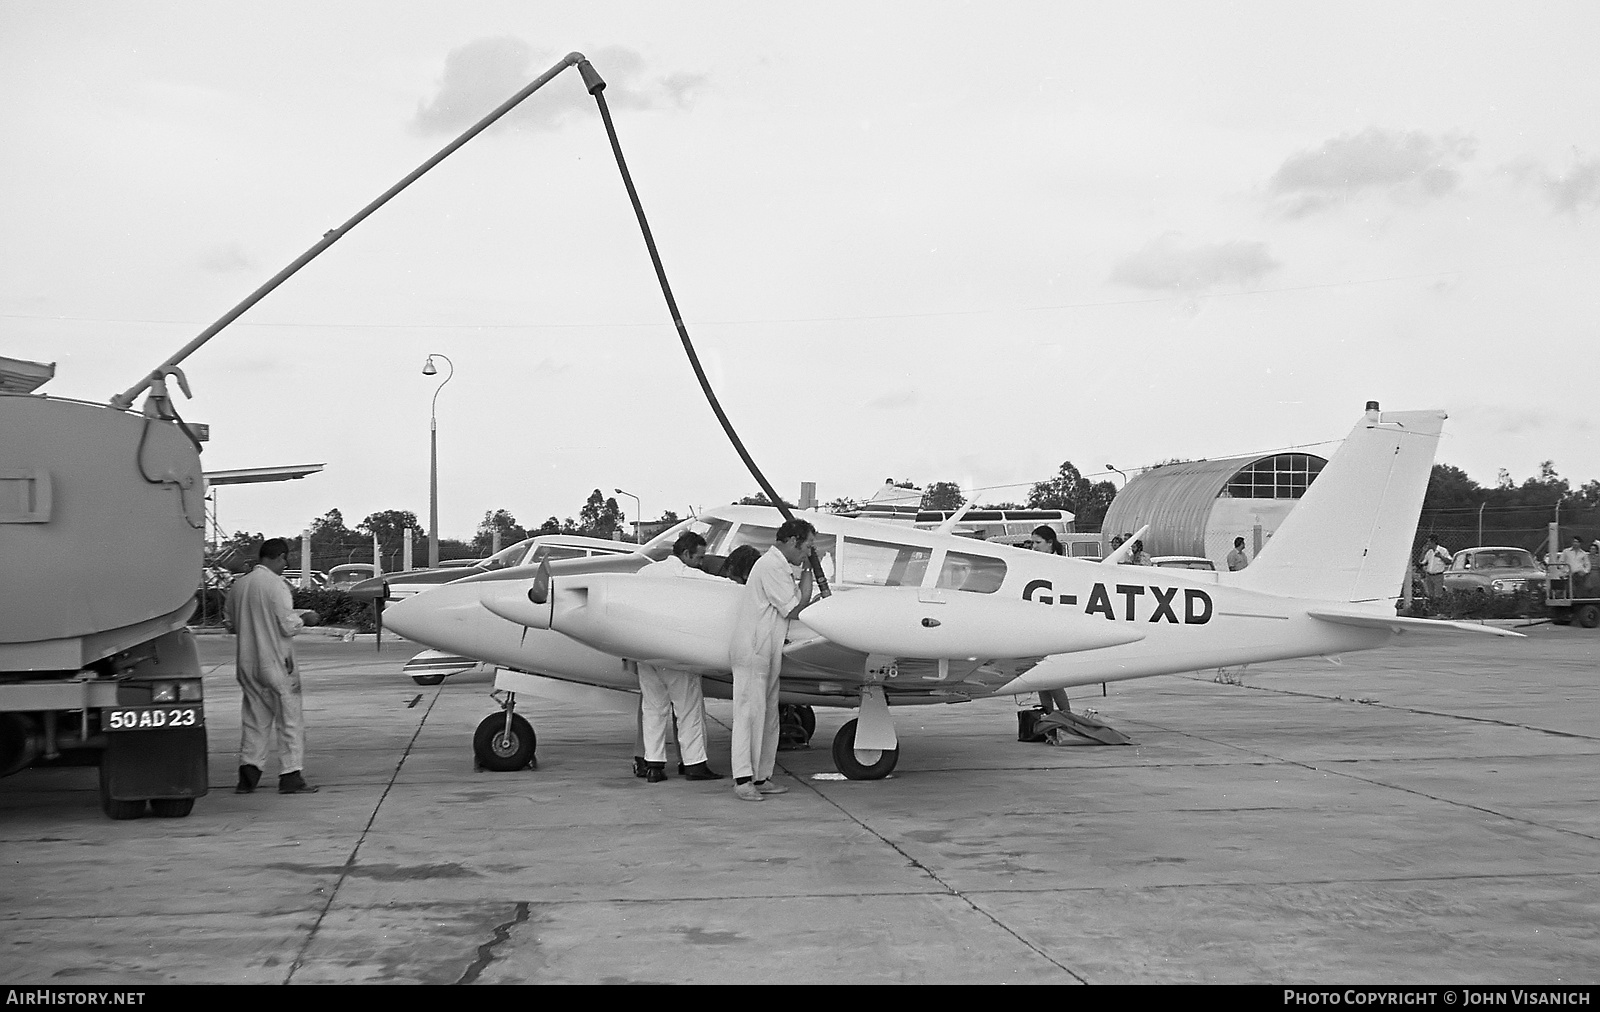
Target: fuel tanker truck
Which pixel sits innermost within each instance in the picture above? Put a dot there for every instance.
(102, 531)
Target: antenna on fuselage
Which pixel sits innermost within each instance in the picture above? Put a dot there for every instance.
(949, 526)
(1126, 548)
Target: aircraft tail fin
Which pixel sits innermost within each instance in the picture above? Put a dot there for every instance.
(1349, 538)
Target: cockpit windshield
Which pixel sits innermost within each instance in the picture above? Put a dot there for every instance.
(660, 546)
(505, 558)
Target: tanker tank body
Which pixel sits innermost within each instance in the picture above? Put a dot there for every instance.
(102, 537)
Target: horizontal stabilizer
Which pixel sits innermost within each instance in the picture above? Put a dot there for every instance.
(1398, 625)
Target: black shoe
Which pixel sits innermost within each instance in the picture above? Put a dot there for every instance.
(700, 771)
(640, 766)
(294, 783)
(655, 773)
(249, 777)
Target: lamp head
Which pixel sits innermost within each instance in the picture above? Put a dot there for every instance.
(428, 367)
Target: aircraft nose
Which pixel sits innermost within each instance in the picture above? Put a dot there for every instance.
(444, 618)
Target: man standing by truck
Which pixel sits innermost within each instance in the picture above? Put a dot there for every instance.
(1577, 563)
(261, 613)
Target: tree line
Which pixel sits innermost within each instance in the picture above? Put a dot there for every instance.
(1511, 514)
(333, 543)
(1457, 509)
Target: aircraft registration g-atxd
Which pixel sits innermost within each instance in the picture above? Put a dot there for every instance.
(921, 616)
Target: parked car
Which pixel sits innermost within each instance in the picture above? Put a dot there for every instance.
(319, 579)
(1492, 570)
(459, 563)
(529, 552)
(351, 573)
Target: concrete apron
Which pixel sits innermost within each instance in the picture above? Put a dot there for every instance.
(1415, 815)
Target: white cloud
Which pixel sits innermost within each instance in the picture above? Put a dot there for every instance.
(894, 399)
(1405, 166)
(481, 74)
(1578, 189)
(226, 258)
(1165, 265)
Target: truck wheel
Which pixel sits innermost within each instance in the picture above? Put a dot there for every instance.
(1589, 616)
(427, 679)
(861, 764)
(503, 752)
(171, 808)
(1561, 616)
(113, 808)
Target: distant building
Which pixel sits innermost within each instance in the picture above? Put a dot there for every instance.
(1199, 507)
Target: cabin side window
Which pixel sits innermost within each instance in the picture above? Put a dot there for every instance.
(975, 574)
(883, 564)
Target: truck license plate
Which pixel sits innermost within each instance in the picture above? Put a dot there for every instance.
(150, 718)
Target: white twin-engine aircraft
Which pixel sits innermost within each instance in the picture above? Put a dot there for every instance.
(929, 617)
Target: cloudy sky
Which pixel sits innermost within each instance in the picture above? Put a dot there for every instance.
(935, 240)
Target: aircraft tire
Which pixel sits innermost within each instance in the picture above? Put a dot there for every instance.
(504, 753)
(861, 765)
(427, 679)
(171, 808)
(808, 720)
(1589, 616)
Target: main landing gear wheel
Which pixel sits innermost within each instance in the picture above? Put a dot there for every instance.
(1589, 616)
(501, 750)
(171, 808)
(861, 764)
(796, 724)
(427, 679)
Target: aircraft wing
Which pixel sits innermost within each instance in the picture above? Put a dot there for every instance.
(915, 640)
(1402, 626)
(818, 667)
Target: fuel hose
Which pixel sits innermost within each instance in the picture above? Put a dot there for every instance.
(596, 86)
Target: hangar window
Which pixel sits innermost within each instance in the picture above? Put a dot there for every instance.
(1282, 476)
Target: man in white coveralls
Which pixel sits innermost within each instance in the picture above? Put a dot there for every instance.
(668, 691)
(261, 612)
(770, 601)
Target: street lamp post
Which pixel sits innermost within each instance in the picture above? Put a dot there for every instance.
(638, 516)
(1124, 477)
(429, 369)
